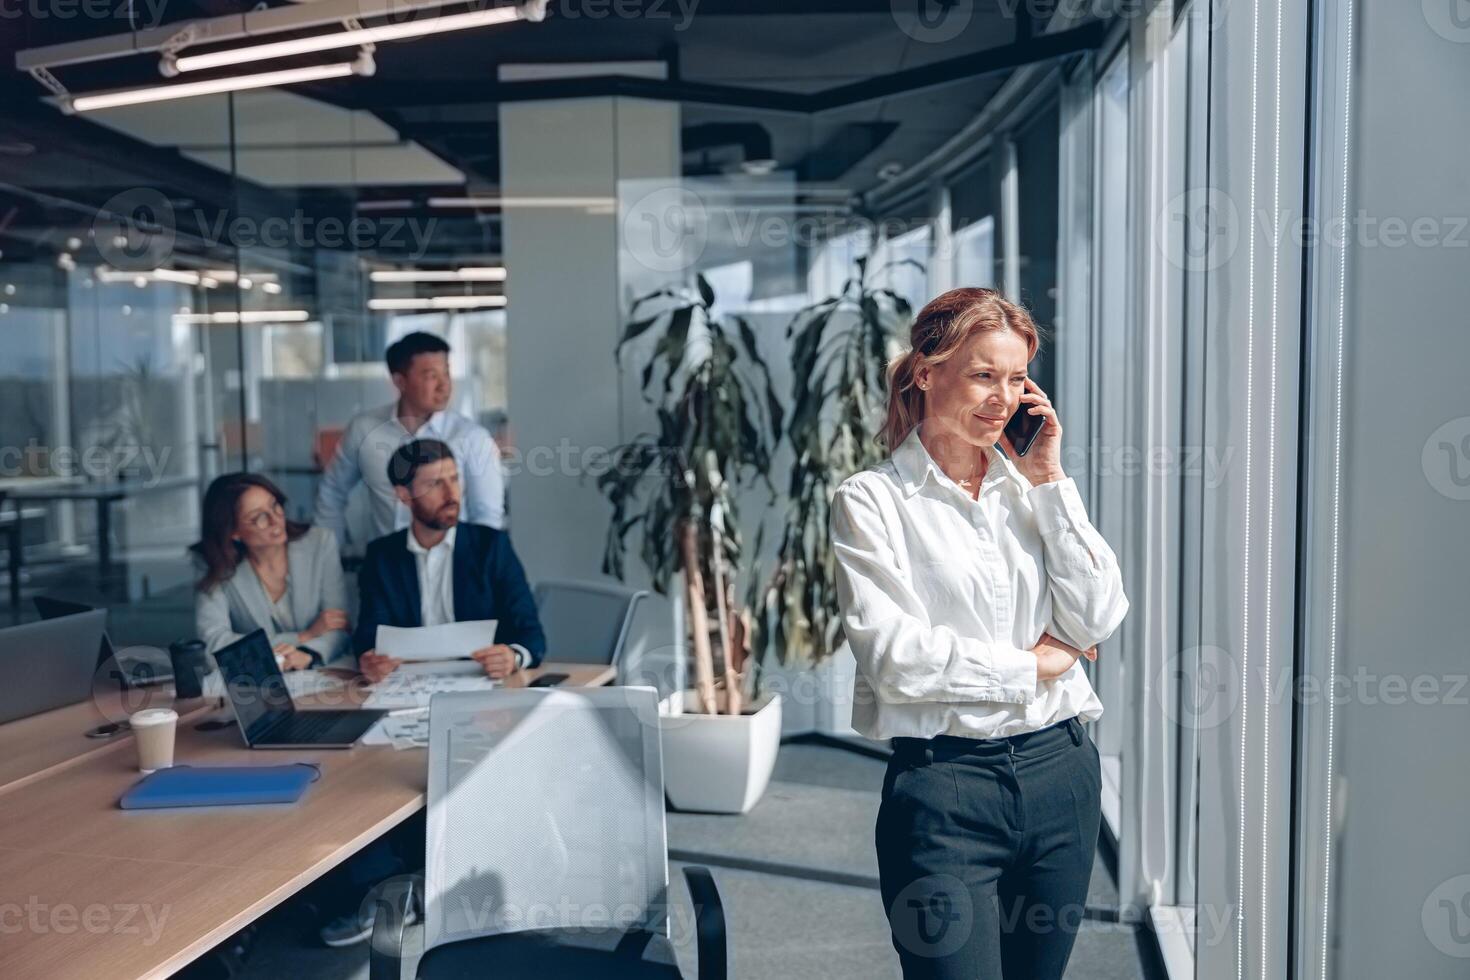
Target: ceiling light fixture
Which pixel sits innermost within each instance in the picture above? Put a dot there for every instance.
(173, 64)
(437, 303)
(214, 86)
(181, 276)
(521, 202)
(246, 316)
(484, 273)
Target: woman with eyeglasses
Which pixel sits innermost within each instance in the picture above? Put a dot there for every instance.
(263, 571)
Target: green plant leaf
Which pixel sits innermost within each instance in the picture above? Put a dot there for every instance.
(774, 412)
(636, 329)
(838, 399)
(671, 346)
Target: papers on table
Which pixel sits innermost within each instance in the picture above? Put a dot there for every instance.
(411, 686)
(305, 683)
(446, 642)
(409, 731)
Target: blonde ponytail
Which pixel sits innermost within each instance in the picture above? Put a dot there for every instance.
(905, 400)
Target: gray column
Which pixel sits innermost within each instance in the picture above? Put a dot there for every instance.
(565, 306)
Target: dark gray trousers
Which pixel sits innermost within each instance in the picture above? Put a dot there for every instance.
(985, 850)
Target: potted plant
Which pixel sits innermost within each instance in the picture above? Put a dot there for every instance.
(841, 346)
(718, 420)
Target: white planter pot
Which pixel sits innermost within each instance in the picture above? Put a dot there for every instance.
(718, 763)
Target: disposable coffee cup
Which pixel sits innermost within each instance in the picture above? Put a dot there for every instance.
(153, 730)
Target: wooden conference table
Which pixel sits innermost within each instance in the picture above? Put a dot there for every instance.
(89, 890)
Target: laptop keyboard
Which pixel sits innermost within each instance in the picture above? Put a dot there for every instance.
(312, 725)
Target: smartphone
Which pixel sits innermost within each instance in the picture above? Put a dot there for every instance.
(1023, 428)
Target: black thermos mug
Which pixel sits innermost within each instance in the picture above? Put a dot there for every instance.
(191, 665)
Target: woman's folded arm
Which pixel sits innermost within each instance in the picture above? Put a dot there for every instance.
(1088, 603)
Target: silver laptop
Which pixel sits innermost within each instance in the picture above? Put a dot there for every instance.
(48, 664)
(134, 667)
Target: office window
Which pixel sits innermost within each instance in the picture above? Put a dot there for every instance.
(292, 351)
(833, 262)
(902, 265)
(974, 253)
(1110, 360)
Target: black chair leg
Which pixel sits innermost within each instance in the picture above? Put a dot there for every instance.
(709, 923)
(385, 960)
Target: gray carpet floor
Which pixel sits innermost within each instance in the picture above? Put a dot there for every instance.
(796, 876)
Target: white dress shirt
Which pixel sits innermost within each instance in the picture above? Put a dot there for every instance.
(436, 585)
(943, 596)
(371, 439)
(436, 578)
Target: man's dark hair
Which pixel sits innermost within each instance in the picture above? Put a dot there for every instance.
(401, 352)
(404, 464)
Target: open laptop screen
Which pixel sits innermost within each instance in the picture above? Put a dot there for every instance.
(254, 683)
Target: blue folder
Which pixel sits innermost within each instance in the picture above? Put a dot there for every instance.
(219, 786)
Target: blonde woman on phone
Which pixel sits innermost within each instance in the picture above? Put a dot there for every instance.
(971, 584)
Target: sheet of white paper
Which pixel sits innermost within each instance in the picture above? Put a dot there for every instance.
(452, 668)
(435, 642)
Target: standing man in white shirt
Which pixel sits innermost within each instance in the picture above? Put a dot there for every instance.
(419, 366)
(971, 584)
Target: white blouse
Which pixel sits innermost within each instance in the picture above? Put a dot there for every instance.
(943, 596)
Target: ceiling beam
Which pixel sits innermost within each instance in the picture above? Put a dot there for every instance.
(1003, 58)
(389, 93)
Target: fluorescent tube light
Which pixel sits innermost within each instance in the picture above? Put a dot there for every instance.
(486, 273)
(229, 275)
(214, 86)
(181, 276)
(521, 202)
(436, 303)
(341, 39)
(246, 316)
(208, 278)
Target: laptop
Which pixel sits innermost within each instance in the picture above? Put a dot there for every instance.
(48, 664)
(139, 667)
(265, 711)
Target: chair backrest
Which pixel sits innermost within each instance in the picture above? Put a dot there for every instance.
(585, 622)
(651, 654)
(546, 811)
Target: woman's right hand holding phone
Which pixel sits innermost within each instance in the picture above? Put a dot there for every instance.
(1054, 657)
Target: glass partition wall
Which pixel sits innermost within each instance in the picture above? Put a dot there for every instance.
(204, 286)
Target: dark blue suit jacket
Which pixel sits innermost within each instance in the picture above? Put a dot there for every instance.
(489, 583)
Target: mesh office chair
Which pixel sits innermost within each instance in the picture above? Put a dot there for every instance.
(586, 622)
(547, 855)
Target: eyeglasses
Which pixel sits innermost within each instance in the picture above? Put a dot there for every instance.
(263, 519)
